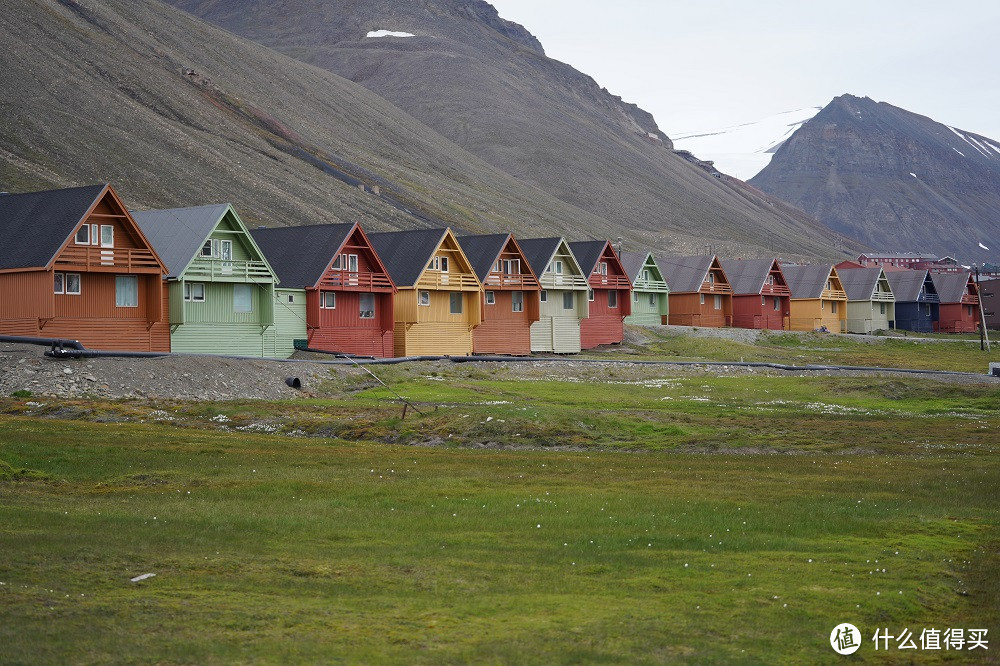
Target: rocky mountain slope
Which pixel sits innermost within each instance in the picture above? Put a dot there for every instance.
(486, 84)
(892, 179)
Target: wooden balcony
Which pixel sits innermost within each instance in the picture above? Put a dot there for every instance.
(609, 282)
(514, 281)
(106, 259)
(776, 290)
(924, 297)
(834, 295)
(448, 281)
(656, 286)
(356, 281)
(970, 299)
(212, 270)
(715, 288)
(559, 281)
(883, 297)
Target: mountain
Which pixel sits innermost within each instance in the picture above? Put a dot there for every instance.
(892, 179)
(743, 150)
(486, 84)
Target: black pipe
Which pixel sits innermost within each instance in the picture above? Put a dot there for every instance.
(97, 353)
(44, 342)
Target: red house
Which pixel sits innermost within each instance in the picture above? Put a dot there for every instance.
(760, 293)
(349, 294)
(74, 265)
(959, 308)
(610, 293)
(510, 297)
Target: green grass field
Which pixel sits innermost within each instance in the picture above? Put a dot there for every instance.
(739, 520)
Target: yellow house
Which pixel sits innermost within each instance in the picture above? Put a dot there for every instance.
(438, 302)
(818, 298)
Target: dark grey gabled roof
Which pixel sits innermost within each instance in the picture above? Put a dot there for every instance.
(684, 274)
(859, 283)
(483, 251)
(747, 276)
(178, 233)
(35, 226)
(301, 255)
(950, 286)
(632, 263)
(539, 252)
(406, 254)
(906, 284)
(587, 254)
(806, 281)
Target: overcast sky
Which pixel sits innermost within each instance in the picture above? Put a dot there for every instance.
(707, 65)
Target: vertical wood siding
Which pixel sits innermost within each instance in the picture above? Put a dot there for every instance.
(27, 296)
(748, 312)
(687, 310)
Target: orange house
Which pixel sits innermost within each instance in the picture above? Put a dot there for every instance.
(700, 294)
(74, 265)
(510, 297)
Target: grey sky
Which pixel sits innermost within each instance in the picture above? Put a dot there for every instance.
(705, 65)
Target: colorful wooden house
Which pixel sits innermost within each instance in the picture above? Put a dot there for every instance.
(760, 293)
(818, 300)
(221, 286)
(74, 265)
(610, 295)
(650, 293)
(959, 306)
(336, 295)
(437, 305)
(700, 293)
(563, 299)
(989, 301)
(510, 301)
(870, 301)
(917, 301)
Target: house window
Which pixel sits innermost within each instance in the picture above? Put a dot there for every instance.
(126, 291)
(568, 300)
(107, 235)
(194, 291)
(517, 301)
(82, 236)
(769, 280)
(559, 267)
(590, 294)
(652, 300)
(444, 264)
(881, 308)
(352, 263)
(336, 265)
(456, 302)
(243, 298)
(777, 304)
(645, 275)
(291, 298)
(969, 308)
(833, 307)
(206, 249)
(543, 296)
(612, 299)
(512, 266)
(927, 309)
(73, 284)
(367, 306)
(424, 298)
(218, 249)
(711, 277)
(491, 298)
(601, 268)
(763, 300)
(635, 297)
(498, 267)
(701, 298)
(59, 283)
(328, 300)
(718, 302)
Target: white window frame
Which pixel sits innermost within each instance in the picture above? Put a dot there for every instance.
(58, 283)
(424, 299)
(323, 304)
(191, 292)
(701, 298)
(240, 287)
(512, 266)
(362, 312)
(635, 297)
(517, 301)
(444, 264)
(543, 296)
(85, 228)
(491, 298)
(119, 297)
(645, 274)
(352, 263)
(79, 284)
(337, 263)
(110, 229)
(559, 267)
(590, 295)
(208, 249)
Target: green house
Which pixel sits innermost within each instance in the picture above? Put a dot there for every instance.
(221, 288)
(649, 291)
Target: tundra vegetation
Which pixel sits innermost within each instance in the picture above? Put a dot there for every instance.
(528, 514)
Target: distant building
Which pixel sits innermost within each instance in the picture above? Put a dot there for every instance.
(989, 301)
(897, 259)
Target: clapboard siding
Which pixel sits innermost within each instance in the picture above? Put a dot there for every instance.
(289, 320)
(503, 336)
(433, 339)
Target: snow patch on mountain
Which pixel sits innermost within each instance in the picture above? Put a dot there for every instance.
(389, 33)
(744, 150)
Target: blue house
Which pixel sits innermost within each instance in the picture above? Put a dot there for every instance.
(917, 302)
